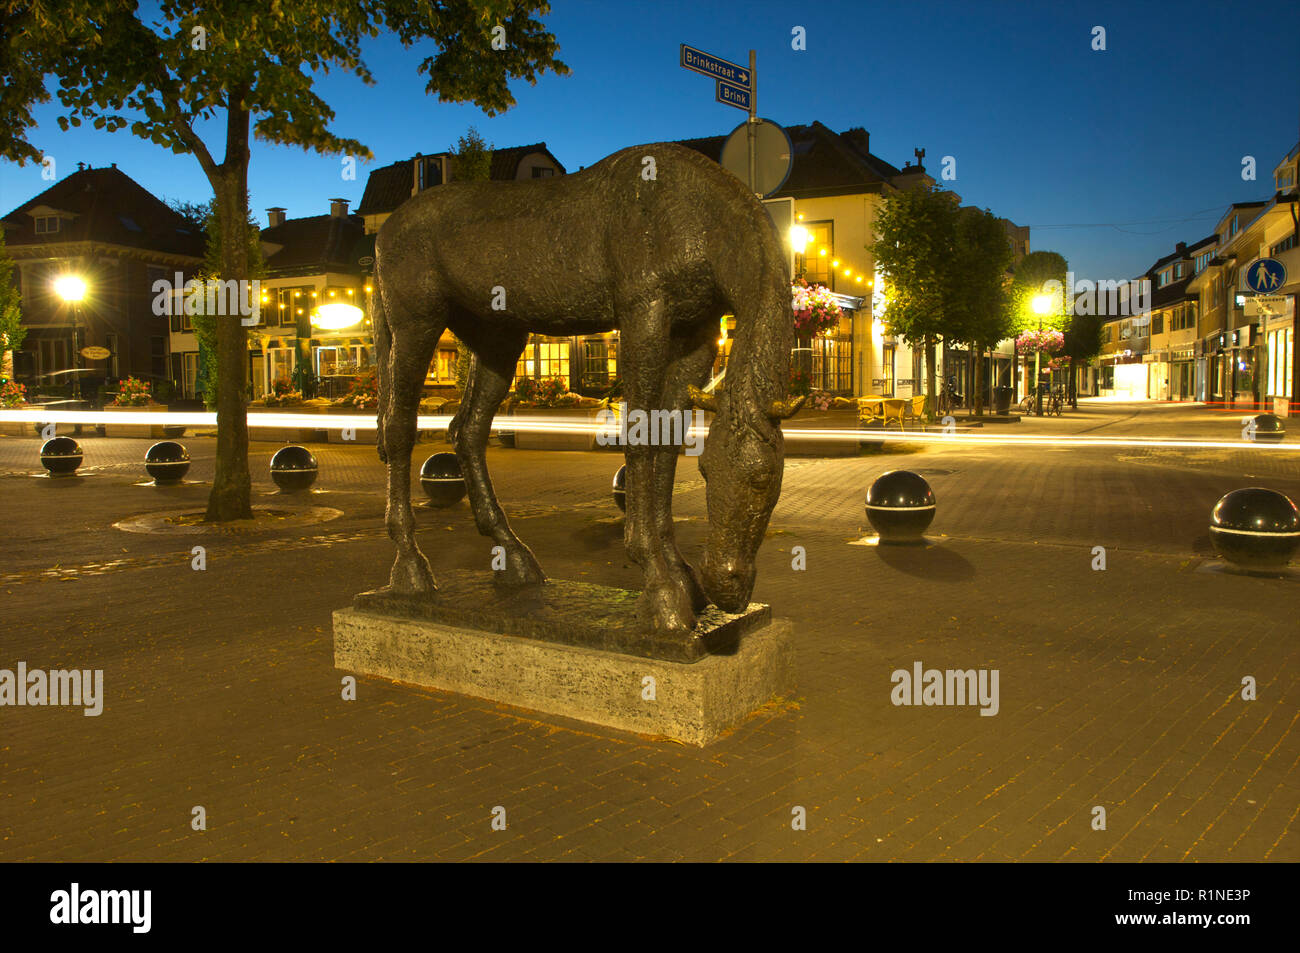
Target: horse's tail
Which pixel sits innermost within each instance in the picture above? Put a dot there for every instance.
(383, 348)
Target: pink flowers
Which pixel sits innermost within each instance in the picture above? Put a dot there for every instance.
(1047, 340)
(815, 309)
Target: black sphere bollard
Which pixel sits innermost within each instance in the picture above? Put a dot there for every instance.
(167, 462)
(620, 488)
(1256, 528)
(900, 506)
(61, 456)
(293, 469)
(442, 480)
(1269, 428)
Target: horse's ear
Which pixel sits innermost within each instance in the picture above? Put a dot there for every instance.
(702, 400)
(783, 409)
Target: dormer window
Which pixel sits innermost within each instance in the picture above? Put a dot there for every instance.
(541, 171)
(428, 172)
(47, 224)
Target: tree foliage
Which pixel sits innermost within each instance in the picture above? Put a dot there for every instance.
(1033, 276)
(159, 72)
(12, 332)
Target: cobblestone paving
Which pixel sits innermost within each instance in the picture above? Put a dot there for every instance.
(1120, 689)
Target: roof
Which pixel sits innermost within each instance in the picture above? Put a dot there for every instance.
(107, 206)
(825, 162)
(313, 245)
(390, 186)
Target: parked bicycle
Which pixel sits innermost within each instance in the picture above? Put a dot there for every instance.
(1053, 405)
(949, 398)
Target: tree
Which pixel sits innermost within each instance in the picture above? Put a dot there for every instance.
(976, 296)
(205, 325)
(916, 231)
(1083, 342)
(946, 269)
(12, 332)
(160, 72)
(1039, 275)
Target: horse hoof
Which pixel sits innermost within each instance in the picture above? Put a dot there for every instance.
(412, 577)
(522, 569)
(668, 613)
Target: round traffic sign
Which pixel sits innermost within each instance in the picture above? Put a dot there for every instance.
(773, 155)
(1266, 275)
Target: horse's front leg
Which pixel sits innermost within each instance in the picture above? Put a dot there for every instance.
(692, 359)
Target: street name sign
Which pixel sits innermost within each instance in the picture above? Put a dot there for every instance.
(738, 96)
(715, 66)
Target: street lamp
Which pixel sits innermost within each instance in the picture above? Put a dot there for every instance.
(1042, 304)
(72, 289)
(799, 239)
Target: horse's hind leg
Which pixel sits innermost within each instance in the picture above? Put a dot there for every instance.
(411, 348)
(487, 386)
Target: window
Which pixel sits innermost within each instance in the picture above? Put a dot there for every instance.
(442, 369)
(543, 358)
(1280, 356)
(819, 253)
(1178, 270)
(279, 364)
(599, 362)
(542, 172)
(1284, 245)
(428, 172)
(158, 357)
(47, 224)
(1163, 278)
(1158, 324)
(1233, 229)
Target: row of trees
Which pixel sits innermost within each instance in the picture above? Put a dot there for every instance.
(160, 72)
(948, 276)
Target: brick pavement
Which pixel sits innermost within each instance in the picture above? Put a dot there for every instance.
(1119, 689)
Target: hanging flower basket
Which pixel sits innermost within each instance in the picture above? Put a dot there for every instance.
(815, 310)
(1047, 341)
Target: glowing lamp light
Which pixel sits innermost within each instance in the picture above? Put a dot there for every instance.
(799, 238)
(835, 263)
(1042, 304)
(70, 288)
(335, 317)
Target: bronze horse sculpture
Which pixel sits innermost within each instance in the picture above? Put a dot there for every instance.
(655, 241)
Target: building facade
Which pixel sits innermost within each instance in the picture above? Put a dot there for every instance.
(102, 228)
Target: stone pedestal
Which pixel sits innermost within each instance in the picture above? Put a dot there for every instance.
(571, 649)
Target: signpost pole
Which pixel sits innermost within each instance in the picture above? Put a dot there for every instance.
(753, 118)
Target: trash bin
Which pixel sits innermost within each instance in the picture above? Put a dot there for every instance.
(1002, 400)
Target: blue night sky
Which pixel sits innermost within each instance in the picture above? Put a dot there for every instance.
(1148, 135)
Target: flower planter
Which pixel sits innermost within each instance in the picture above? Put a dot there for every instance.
(554, 440)
(141, 430)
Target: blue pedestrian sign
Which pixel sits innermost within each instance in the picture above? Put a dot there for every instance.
(716, 67)
(737, 96)
(1266, 276)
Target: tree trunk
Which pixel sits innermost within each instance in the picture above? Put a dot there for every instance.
(932, 396)
(231, 486)
(977, 399)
